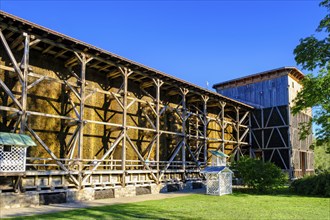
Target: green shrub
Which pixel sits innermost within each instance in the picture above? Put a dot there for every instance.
(313, 185)
(258, 175)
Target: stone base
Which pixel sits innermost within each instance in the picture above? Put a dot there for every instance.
(16, 200)
(32, 199)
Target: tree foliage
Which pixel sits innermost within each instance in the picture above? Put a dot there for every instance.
(260, 176)
(322, 158)
(313, 54)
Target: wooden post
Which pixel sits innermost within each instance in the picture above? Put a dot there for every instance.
(291, 168)
(237, 132)
(123, 153)
(205, 99)
(25, 68)
(223, 104)
(184, 93)
(263, 134)
(82, 105)
(83, 61)
(125, 73)
(158, 84)
(250, 135)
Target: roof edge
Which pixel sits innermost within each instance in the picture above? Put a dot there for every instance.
(299, 75)
(58, 34)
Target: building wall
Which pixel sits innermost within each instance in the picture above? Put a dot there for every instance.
(266, 93)
(275, 131)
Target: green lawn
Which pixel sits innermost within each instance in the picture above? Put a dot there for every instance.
(236, 206)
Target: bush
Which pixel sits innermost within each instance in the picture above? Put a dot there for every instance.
(313, 185)
(258, 175)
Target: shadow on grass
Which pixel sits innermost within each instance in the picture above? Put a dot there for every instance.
(122, 211)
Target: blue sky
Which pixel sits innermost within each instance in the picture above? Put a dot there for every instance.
(197, 41)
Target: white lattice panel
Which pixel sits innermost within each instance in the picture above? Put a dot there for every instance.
(14, 160)
(225, 183)
(212, 184)
(219, 184)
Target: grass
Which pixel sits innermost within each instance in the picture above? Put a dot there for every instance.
(236, 206)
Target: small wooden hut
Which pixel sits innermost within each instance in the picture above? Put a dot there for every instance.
(13, 151)
(218, 175)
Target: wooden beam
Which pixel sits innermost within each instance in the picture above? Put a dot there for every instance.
(11, 56)
(17, 41)
(62, 52)
(71, 61)
(35, 82)
(31, 44)
(48, 49)
(10, 94)
(105, 67)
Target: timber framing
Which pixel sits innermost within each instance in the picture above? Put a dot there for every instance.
(117, 122)
(274, 133)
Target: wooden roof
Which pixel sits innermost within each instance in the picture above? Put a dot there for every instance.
(262, 76)
(20, 140)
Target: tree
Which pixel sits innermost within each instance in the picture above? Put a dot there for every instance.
(313, 54)
(322, 158)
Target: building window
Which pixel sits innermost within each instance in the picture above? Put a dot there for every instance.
(6, 148)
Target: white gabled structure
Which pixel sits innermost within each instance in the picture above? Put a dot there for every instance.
(218, 175)
(13, 151)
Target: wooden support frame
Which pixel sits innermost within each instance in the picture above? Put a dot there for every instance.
(157, 87)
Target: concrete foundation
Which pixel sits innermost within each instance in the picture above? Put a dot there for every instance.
(16, 200)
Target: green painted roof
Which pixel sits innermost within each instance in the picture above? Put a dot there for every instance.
(16, 139)
(218, 153)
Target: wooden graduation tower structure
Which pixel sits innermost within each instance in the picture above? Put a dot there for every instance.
(274, 130)
(103, 123)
